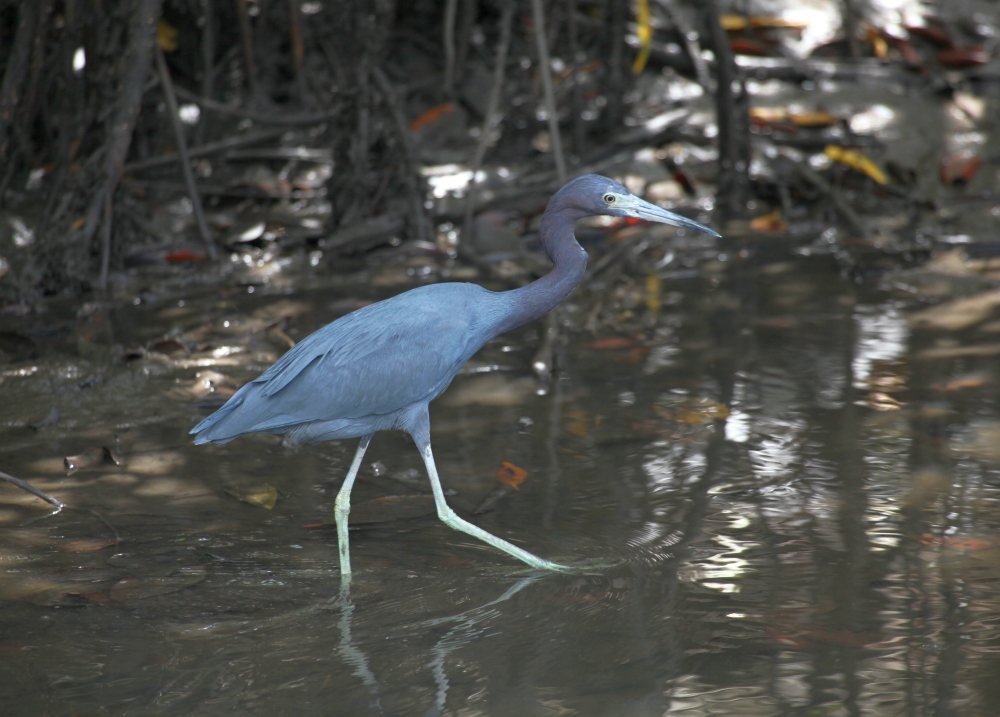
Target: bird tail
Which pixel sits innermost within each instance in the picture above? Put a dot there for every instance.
(213, 428)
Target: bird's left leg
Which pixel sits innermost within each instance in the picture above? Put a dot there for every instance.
(342, 509)
(448, 516)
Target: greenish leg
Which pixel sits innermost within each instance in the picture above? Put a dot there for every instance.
(448, 516)
(342, 509)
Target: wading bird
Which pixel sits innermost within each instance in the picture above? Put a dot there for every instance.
(380, 366)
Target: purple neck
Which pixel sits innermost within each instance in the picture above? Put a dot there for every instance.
(569, 262)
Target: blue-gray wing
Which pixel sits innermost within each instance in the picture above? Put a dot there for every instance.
(372, 362)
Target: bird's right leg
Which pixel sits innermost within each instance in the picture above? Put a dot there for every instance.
(342, 509)
(449, 517)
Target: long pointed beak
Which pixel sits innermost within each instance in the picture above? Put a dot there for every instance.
(641, 209)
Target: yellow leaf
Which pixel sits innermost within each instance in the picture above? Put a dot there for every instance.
(262, 495)
(733, 23)
(813, 119)
(166, 35)
(856, 161)
(769, 223)
(769, 114)
(653, 293)
(645, 33)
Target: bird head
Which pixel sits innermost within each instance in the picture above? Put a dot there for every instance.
(593, 194)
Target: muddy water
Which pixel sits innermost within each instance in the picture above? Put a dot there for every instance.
(799, 490)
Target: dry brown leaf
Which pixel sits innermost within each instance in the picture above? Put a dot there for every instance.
(512, 475)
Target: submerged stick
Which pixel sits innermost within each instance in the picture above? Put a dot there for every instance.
(26, 486)
(550, 100)
(182, 152)
(492, 116)
(58, 504)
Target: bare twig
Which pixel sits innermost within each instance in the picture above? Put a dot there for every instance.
(399, 119)
(256, 116)
(182, 152)
(850, 22)
(492, 116)
(732, 117)
(17, 68)
(550, 100)
(576, 98)
(298, 46)
(690, 39)
(106, 244)
(450, 12)
(246, 33)
(141, 43)
(207, 60)
(205, 150)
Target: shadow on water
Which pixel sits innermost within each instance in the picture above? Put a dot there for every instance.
(796, 487)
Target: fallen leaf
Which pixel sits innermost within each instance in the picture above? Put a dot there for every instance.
(85, 546)
(856, 161)
(653, 293)
(166, 36)
(769, 223)
(612, 344)
(511, 475)
(576, 422)
(950, 352)
(185, 256)
(634, 355)
(644, 31)
(143, 588)
(78, 223)
(813, 119)
(967, 380)
(432, 115)
(928, 32)
(957, 314)
(91, 458)
(746, 46)
(960, 168)
(262, 495)
(880, 48)
(962, 57)
(735, 23)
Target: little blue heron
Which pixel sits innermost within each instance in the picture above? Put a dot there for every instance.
(380, 366)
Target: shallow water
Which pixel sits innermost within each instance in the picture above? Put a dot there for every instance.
(826, 545)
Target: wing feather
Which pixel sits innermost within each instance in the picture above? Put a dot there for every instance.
(374, 361)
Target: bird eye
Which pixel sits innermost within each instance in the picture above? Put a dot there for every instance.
(609, 198)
